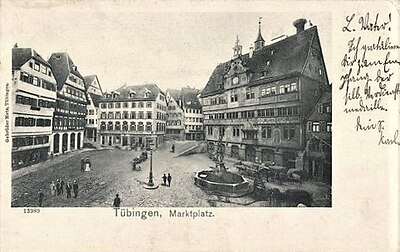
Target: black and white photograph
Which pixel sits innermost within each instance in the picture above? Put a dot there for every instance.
(162, 123)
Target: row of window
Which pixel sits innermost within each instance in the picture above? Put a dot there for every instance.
(91, 121)
(321, 126)
(90, 112)
(174, 123)
(32, 122)
(73, 92)
(194, 119)
(271, 112)
(20, 99)
(288, 132)
(117, 126)
(64, 123)
(79, 81)
(250, 93)
(37, 81)
(125, 105)
(72, 107)
(174, 114)
(28, 141)
(194, 127)
(193, 111)
(126, 115)
(40, 68)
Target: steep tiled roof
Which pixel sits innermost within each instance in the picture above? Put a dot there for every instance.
(95, 98)
(21, 55)
(88, 80)
(190, 99)
(285, 57)
(176, 94)
(138, 90)
(62, 66)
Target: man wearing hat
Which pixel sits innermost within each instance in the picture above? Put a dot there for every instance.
(117, 201)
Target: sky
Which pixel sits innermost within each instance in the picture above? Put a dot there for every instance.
(121, 43)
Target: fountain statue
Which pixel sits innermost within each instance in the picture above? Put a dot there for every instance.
(219, 180)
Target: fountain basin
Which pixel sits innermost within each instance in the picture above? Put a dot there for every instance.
(222, 183)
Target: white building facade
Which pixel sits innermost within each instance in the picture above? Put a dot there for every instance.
(33, 102)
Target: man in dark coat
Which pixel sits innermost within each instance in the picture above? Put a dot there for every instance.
(58, 187)
(68, 188)
(169, 178)
(62, 186)
(173, 148)
(41, 196)
(164, 178)
(75, 189)
(117, 201)
(82, 165)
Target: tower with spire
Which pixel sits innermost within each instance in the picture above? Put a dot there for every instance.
(259, 43)
(237, 49)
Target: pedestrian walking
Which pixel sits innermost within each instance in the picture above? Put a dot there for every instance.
(68, 188)
(82, 165)
(75, 189)
(169, 178)
(173, 148)
(62, 186)
(87, 165)
(164, 178)
(52, 188)
(117, 201)
(41, 196)
(58, 185)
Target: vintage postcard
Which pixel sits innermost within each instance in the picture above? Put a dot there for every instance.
(200, 126)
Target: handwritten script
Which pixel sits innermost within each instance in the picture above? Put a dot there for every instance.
(370, 74)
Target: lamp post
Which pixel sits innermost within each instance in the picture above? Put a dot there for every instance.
(151, 183)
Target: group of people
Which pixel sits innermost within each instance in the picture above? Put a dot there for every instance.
(166, 178)
(85, 164)
(57, 189)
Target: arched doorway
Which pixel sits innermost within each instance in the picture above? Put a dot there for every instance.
(72, 141)
(235, 151)
(64, 142)
(250, 153)
(56, 143)
(78, 144)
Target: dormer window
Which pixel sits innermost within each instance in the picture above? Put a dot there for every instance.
(132, 93)
(272, 52)
(146, 93)
(268, 62)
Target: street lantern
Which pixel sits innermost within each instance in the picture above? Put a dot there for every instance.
(150, 184)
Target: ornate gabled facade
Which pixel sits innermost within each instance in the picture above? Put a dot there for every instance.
(184, 114)
(259, 101)
(175, 124)
(93, 93)
(133, 116)
(33, 102)
(69, 115)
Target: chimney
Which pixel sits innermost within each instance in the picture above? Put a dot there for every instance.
(16, 45)
(299, 24)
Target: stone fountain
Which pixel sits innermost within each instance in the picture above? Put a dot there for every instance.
(220, 181)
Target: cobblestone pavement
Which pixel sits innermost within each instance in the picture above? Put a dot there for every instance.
(112, 173)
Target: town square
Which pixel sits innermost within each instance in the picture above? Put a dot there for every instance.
(255, 131)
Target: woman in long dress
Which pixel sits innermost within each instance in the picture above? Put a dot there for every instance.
(87, 165)
(52, 188)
